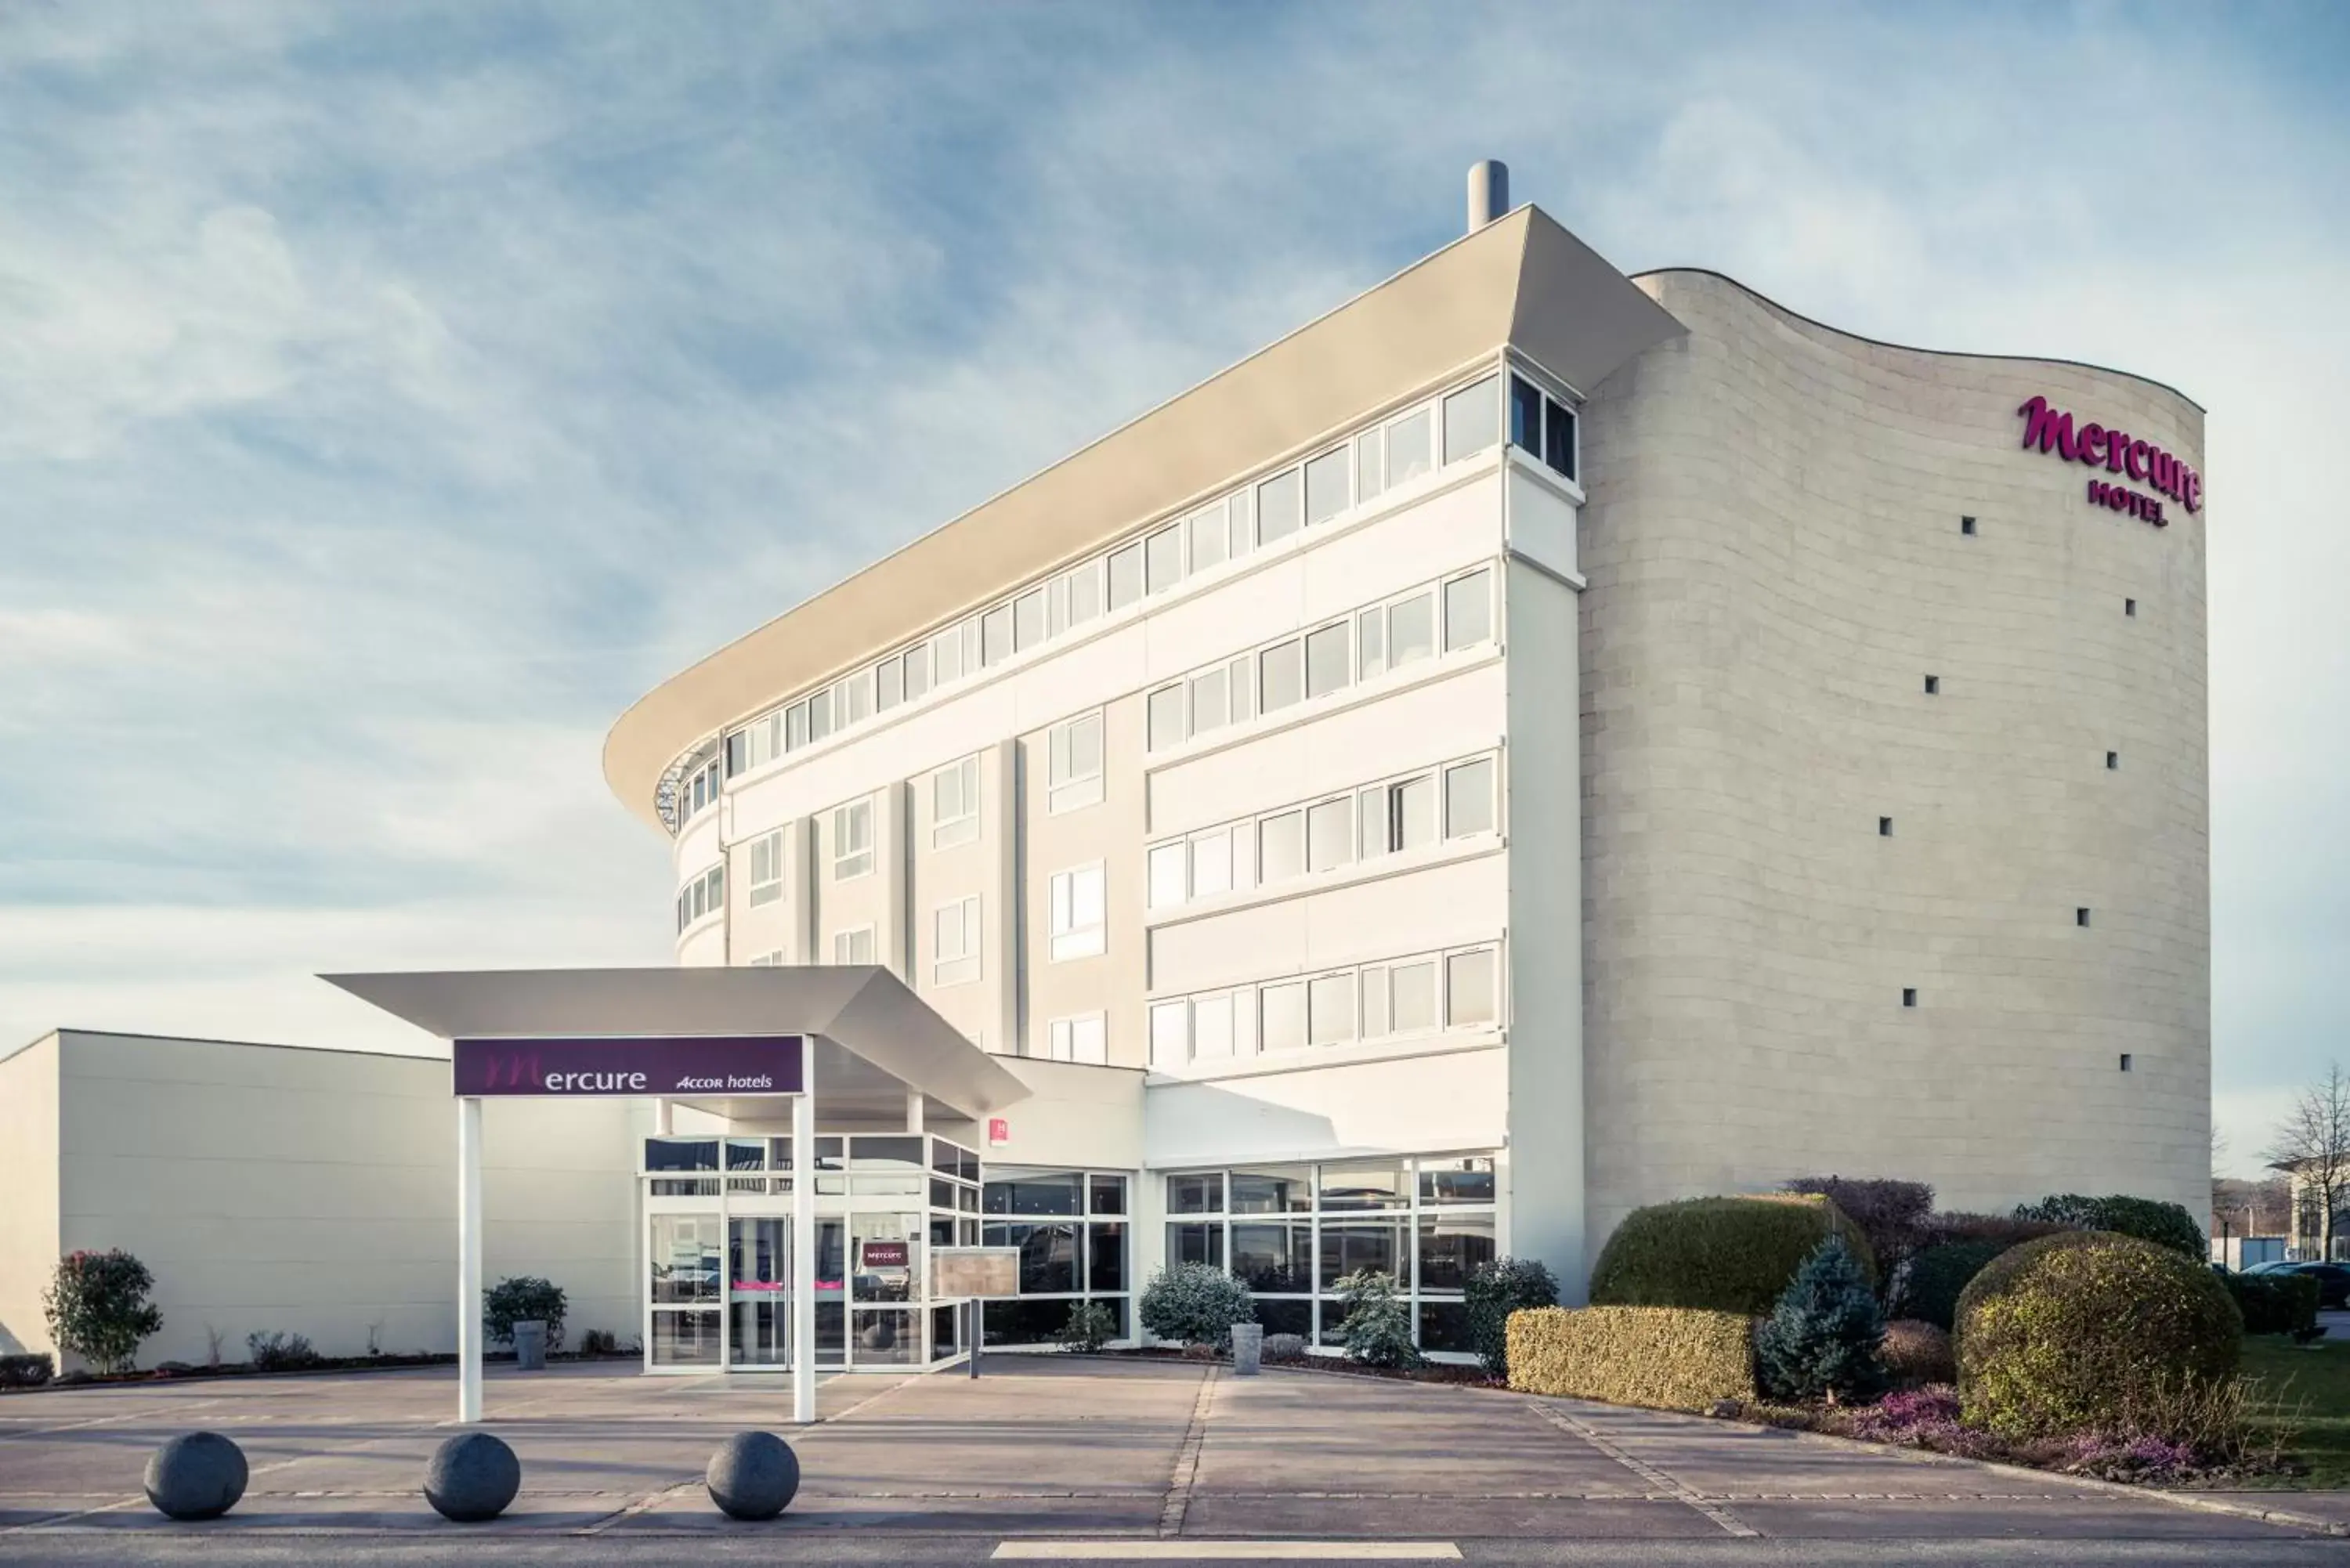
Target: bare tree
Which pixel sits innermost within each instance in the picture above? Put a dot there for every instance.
(2313, 1143)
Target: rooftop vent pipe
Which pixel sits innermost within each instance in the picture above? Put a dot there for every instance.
(1489, 192)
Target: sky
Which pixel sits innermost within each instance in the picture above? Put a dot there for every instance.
(392, 394)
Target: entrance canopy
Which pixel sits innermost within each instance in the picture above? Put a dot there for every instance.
(875, 1042)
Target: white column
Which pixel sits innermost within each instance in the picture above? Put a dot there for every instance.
(804, 1240)
(469, 1259)
(913, 1110)
(662, 1128)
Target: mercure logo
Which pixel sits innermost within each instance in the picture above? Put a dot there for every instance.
(2050, 429)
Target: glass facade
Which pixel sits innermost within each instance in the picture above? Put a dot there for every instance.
(1071, 1230)
(1291, 1232)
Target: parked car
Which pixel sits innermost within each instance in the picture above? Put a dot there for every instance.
(2333, 1281)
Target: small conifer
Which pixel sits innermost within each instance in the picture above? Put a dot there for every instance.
(1821, 1341)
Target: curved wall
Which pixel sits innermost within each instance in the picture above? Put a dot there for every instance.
(1775, 563)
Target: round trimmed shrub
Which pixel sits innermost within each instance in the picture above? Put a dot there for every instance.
(1196, 1303)
(1719, 1254)
(2147, 1218)
(1932, 1279)
(2090, 1331)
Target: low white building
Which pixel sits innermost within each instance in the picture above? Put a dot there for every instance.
(1532, 742)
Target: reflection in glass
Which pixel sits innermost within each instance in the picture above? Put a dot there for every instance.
(1274, 1256)
(1366, 1186)
(683, 1258)
(1452, 1247)
(685, 1338)
(885, 1337)
(1348, 1245)
(1196, 1244)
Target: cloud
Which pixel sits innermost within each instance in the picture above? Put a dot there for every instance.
(390, 395)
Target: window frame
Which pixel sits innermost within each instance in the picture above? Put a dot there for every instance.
(848, 865)
(965, 965)
(1068, 938)
(1078, 789)
(962, 827)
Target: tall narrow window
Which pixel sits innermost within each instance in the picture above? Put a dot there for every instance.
(1170, 1035)
(852, 700)
(1166, 717)
(1468, 988)
(819, 715)
(1211, 863)
(1326, 487)
(1085, 588)
(1210, 701)
(1212, 1025)
(1169, 884)
(1411, 630)
(1028, 619)
(1210, 541)
(1472, 420)
(1469, 611)
(1558, 438)
(852, 840)
(1330, 834)
(766, 868)
(1330, 1008)
(1282, 675)
(1164, 560)
(995, 635)
(1468, 798)
(1370, 464)
(1283, 1026)
(954, 804)
(1077, 913)
(955, 941)
(1280, 847)
(853, 947)
(889, 684)
(1526, 415)
(1414, 988)
(1125, 577)
(1073, 763)
(917, 673)
(1371, 643)
(1411, 447)
(1327, 667)
(1279, 500)
(946, 655)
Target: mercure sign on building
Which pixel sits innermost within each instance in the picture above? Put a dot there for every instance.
(655, 1066)
(2117, 452)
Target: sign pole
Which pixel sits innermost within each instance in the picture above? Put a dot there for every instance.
(469, 1260)
(804, 1241)
(974, 1336)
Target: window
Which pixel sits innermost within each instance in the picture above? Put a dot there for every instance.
(1330, 1008)
(1909, 996)
(1163, 560)
(1168, 885)
(1209, 537)
(1933, 685)
(853, 947)
(1028, 619)
(1166, 717)
(853, 702)
(1410, 447)
(819, 715)
(1472, 420)
(796, 726)
(1210, 701)
(917, 673)
(1330, 834)
(954, 804)
(1413, 987)
(1211, 863)
(1170, 1027)
(767, 868)
(1283, 675)
(1558, 438)
(1278, 500)
(1077, 906)
(955, 941)
(1073, 763)
(1082, 590)
(995, 635)
(1967, 526)
(1884, 828)
(1371, 643)
(1327, 667)
(1240, 684)
(1212, 1025)
(1468, 798)
(1468, 988)
(1081, 1039)
(2125, 1062)
(768, 960)
(705, 895)
(2080, 916)
(1240, 507)
(1400, 815)
(2129, 606)
(1125, 577)
(2113, 761)
(1411, 630)
(1370, 464)
(1375, 1002)
(1326, 486)
(1280, 847)
(1526, 415)
(889, 684)
(1468, 610)
(852, 840)
(946, 655)
(1283, 1007)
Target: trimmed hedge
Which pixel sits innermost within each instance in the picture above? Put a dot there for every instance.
(1719, 1254)
(1932, 1280)
(1668, 1358)
(2274, 1303)
(2147, 1218)
(2089, 1331)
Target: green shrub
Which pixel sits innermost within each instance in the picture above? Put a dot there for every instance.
(2091, 1331)
(1672, 1358)
(2274, 1303)
(1718, 1254)
(1820, 1340)
(524, 1298)
(1377, 1327)
(600, 1342)
(2149, 1219)
(1915, 1353)
(1895, 1216)
(1196, 1303)
(97, 1308)
(1495, 1291)
(1952, 1227)
(1931, 1282)
(1091, 1325)
(277, 1352)
(29, 1369)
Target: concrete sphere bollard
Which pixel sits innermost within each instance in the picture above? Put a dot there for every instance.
(754, 1475)
(472, 1478)
(197, 1475)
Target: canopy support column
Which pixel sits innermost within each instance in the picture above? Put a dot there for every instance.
(469, 1260)
(804, 1240)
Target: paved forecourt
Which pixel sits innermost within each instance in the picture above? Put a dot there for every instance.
(1041, 1454)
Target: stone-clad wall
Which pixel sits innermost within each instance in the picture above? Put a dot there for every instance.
(1777, 563)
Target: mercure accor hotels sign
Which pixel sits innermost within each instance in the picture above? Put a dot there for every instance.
(661, 1066)
(2050, 429)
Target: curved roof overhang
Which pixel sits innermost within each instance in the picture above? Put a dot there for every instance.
(1521, 280)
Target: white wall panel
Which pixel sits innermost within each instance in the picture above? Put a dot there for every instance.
(1410, 1105)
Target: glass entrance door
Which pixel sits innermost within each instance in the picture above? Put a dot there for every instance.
(758, 1290)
